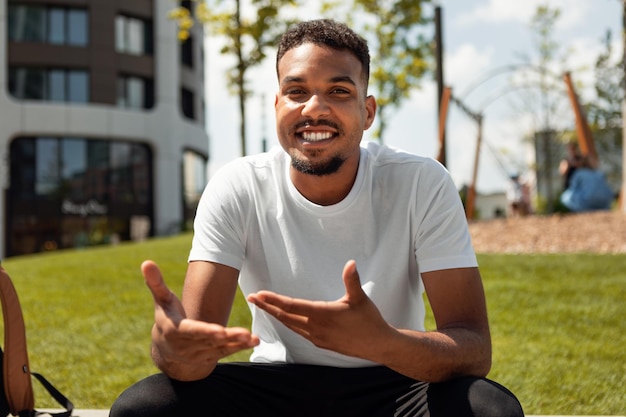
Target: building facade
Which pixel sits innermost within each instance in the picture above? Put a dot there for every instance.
(102, 134)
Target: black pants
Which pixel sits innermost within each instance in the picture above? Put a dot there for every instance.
(247, 389)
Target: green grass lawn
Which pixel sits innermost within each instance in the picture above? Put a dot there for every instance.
(558, 323)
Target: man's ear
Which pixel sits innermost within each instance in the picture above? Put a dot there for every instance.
(370, 111)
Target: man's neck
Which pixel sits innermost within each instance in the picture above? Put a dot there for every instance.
(326, 190)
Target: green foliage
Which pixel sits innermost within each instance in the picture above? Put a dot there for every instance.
(245, 38)
(557, 323)
(543, 24)
(400, 51)
(606, 111)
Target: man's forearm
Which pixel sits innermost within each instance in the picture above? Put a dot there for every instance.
(438, 355)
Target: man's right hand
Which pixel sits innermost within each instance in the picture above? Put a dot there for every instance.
(183, 348)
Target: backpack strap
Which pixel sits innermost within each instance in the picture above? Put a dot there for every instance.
(56, 394)
(16, 371)
(18, 387)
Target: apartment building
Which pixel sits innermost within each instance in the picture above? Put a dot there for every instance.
(102, 133)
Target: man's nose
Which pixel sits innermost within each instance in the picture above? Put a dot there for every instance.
(315, 107)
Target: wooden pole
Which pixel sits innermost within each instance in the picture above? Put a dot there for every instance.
(470, 204)
(440, 82)
(585, 139)
(443, 117)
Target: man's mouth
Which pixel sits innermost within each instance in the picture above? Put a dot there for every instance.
(316, 136)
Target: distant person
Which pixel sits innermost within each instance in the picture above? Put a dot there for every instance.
(588, 190)
(332, 243)
(517, 197)
(568, 166)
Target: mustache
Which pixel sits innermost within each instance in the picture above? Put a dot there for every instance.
(314, 123)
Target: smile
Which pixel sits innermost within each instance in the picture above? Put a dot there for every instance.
(316, 136)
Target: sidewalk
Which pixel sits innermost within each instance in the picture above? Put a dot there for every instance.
(81, 413)
(105, 413)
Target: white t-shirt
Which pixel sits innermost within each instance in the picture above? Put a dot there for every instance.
(402, 217)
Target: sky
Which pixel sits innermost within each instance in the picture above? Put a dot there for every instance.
(480, 38)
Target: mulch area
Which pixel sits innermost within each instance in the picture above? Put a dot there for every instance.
(594, 232)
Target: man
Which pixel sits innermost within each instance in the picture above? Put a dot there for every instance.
(333, 244)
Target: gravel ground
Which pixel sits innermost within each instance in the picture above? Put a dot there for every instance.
(594, 232)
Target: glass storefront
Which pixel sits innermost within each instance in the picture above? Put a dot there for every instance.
(76, 192)
(194, 181)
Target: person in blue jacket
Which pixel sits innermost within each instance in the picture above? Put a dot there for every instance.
(588, 190)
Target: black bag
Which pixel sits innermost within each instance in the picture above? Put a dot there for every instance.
(16, 395)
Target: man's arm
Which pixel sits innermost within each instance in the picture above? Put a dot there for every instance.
(461, 343)
(189, 338)
(353, 326)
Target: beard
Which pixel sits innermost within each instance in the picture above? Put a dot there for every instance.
(319, 169)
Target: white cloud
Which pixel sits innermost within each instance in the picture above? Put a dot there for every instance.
(466, 63)
(500, 11)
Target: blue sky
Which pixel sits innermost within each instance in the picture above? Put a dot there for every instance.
(480, 36)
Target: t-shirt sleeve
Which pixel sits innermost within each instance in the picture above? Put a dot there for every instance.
(442, 239)
(219, 224)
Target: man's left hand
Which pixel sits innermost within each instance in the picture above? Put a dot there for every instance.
(351, 325)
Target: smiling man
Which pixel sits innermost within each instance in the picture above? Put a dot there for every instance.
(333, 243)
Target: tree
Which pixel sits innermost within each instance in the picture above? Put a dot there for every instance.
(542, 24)
(247, 39)
(399, 49)
(605, 111)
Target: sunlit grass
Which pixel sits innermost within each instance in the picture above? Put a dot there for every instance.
(559, 332)
(557, 323)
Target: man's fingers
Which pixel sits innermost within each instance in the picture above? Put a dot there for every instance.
(154, 280)
(214, 335)
(288, 310)
(352, 281)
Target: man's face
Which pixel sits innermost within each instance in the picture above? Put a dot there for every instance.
(321, 108)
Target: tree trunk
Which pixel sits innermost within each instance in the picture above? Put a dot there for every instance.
(240, 81)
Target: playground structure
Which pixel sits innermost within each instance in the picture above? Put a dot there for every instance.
(583, 132)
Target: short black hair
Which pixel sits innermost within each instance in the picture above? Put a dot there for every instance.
(329, 33)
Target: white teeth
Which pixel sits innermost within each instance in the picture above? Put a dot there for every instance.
(316, 136)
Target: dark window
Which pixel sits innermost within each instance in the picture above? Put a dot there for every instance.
(186, 52)
(71, 192)
(77, 27)
(77, 86)
(194, 181)
(74, 168)
(27, 23)
(79, 168)
(186, 4)
(47, 174)
(133, 35)
(135, 92)
(194, 177)
(23, 173)
(27, 83)
(187, 103)
(51, 84)
(55, 25)
(121, 173)
(57, 90)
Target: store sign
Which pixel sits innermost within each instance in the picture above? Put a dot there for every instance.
(91, 207)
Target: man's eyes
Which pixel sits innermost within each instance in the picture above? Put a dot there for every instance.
(300, 91)
(294, 91)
